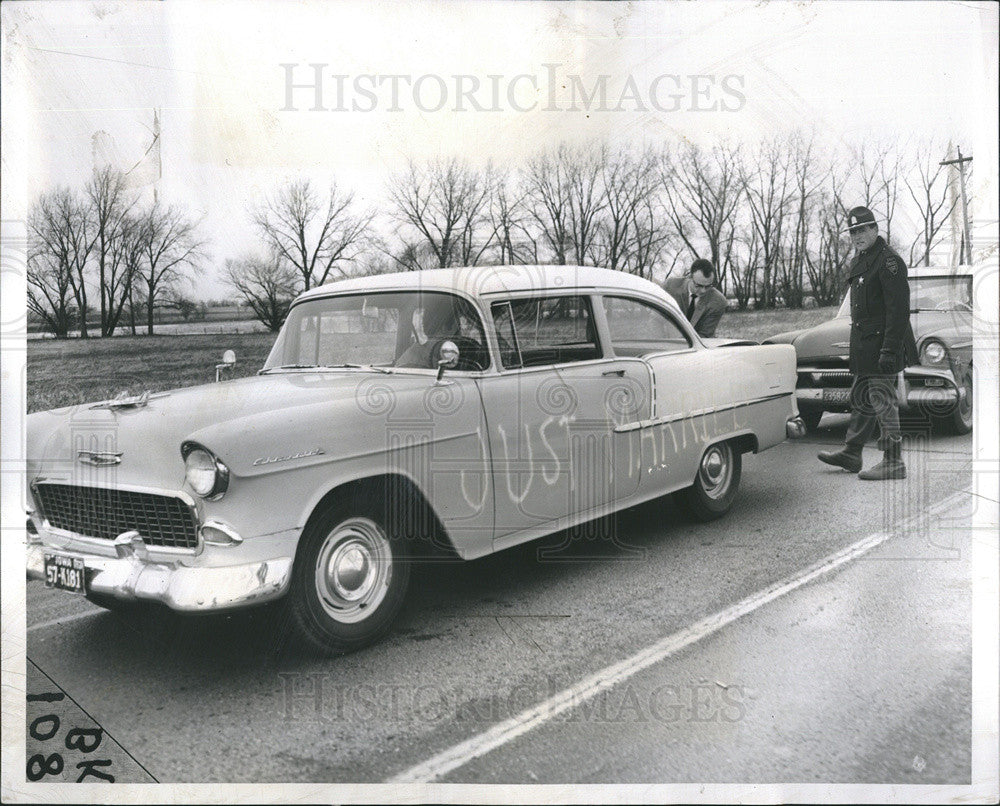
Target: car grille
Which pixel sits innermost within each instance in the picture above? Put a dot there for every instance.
(162, 520)
(824, 378)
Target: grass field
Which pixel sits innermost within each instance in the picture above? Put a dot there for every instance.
(758, 325)
(64, 373)
(73, 371)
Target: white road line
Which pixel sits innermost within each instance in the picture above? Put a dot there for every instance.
(65, 620)
(605, 679)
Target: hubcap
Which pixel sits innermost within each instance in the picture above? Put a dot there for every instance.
(965, 406)
(716, 470)
(353, 570)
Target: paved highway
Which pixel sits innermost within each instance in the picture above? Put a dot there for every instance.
(820, 632)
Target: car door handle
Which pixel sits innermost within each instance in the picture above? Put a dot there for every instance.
(618, 373)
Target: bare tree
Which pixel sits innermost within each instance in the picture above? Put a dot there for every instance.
(625, 226)
(124, 259)
(587, 198)
(806, 178)
(702, 192)
(509, 220)
(649, 236)
(170, 246)
(547, 187)
(565, 195)
(768, 188)
(267, 284)
(49, 293)
(929, 190)
(313, 234)
(61, 240)
(827, 271)
(877, 170)
(445, 203)
(109, 202)
(743, 270)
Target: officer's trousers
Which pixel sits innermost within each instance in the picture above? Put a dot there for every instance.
(873, 400)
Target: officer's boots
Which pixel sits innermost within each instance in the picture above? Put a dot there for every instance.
(891, 466)
(848, 457)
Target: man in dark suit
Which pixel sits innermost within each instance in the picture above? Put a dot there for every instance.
(882, 344)
(702, 303)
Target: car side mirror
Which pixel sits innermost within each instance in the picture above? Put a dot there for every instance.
(228, 362)
(447, 357)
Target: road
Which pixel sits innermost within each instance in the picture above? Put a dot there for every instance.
(731, 651)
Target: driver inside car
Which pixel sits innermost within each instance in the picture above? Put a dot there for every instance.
(433, 324)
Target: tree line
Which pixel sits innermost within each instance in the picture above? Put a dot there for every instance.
(770, 217)
(102, 241)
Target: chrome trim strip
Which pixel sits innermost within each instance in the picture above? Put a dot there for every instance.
(697, 413)
(100, 542)
(187, 499)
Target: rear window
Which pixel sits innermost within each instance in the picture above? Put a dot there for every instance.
(638, 328)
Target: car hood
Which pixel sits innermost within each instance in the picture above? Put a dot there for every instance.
(826, 340)
(949, 326)
(241, 421)
(831, 339)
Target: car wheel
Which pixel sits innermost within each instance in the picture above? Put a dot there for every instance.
(960, 420)
(811, 418)
(349, 580)
(716, 484)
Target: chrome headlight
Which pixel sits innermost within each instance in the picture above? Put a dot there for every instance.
(933, 353)
(206, 474)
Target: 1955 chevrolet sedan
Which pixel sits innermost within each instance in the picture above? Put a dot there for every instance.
(461, 411)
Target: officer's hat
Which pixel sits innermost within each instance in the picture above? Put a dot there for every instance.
(859, 217)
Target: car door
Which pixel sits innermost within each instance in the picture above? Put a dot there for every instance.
(662, 456)
(551, 413)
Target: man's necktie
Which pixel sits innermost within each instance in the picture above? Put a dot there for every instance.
(690, 309)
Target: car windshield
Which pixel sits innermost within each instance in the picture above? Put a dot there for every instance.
(931, 294)
(378, 330)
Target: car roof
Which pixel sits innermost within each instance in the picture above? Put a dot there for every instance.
(479, 281)
(940, 271)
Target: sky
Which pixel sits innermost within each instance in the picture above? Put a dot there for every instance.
(847, 71)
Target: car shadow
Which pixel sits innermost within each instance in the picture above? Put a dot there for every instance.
(914, 426)
(149, 638)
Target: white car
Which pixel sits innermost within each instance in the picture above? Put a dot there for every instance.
(457, 410)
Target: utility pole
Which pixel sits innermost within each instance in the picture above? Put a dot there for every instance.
(966, 256)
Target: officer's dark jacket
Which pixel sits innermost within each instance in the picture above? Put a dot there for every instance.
(880, 310)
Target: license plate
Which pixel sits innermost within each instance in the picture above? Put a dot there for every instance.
(837, 396)
(65, 573)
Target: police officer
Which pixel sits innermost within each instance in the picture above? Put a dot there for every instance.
(882, 344)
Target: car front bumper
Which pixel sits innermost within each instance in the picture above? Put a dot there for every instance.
(129, 576)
